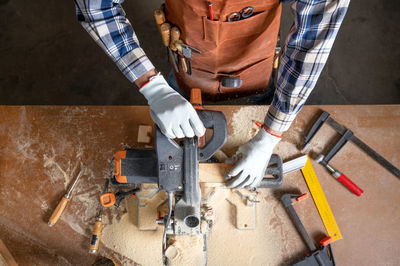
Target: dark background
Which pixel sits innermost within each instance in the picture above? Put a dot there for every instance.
(48, 58)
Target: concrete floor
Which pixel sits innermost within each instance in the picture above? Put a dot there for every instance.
(47, 57)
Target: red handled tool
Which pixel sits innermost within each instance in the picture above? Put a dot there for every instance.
(210, 10)
(342, 178)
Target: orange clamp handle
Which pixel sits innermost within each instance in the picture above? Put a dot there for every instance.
(326, 241)
(302, 197)
(107, 199)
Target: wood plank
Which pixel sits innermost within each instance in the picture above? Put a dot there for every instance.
(213, 172)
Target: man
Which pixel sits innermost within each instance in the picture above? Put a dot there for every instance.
(303, 57)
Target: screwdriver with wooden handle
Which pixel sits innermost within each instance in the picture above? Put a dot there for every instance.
(175, 35)
(96, 234)
(165, 30)
(159, 17)
(163, 27)
(184, 65)
(63, 203)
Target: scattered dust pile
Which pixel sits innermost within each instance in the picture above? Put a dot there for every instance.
(244, 129)
(243, 126)
(123, 236)
(190, 249)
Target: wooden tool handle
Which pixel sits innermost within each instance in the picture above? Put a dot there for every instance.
(159, 17)
(276, 60)
(195, 97)
(95, 238)
(178, 45)
(183, 64)
(165, 29)
(58, 211)
(175, 34)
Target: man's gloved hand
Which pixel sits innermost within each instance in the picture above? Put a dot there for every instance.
(173, 114)
(253, 158)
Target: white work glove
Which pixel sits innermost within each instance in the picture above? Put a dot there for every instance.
(253, 158)
(173, 114)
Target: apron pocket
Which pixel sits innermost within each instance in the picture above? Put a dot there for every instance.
(221, 31)
(255, 77)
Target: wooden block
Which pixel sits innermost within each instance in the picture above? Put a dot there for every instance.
(149, 199)
(245, 209)
(213, 172)
(144, 134)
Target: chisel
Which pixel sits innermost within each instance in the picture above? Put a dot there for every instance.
(165, 29)
(182, 60)
(184, 66)
(96, 234)
(175, 34)
(63, 203)
(159, 17)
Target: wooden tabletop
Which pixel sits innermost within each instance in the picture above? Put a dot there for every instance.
(41, 148)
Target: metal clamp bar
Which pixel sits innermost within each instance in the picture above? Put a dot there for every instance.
(287, 202)
(373, 154)
(343, 140)
(317, 125)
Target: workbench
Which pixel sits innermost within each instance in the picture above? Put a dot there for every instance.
(41, 148)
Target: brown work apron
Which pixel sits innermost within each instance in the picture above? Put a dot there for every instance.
(242, 48)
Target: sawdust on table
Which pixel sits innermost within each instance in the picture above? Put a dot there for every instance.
(26, 138)
(124, 237)
(273, 242)
(190, 249)
(44, 207)
(144, 247)
(243, 127)
(269, 244)
(84, 201)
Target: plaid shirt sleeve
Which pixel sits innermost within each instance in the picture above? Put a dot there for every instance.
(106, 22)
(303, 57)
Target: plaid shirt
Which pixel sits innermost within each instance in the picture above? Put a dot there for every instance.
(316, 24)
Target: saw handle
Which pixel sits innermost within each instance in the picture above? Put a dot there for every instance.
(350, 185)
(217, 122)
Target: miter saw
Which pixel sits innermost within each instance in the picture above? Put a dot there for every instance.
(173, 166)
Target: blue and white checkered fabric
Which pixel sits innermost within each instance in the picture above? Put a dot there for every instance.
(307, 47)
(316, 24)
(106, 22)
